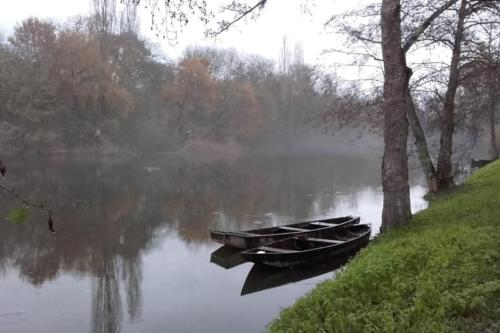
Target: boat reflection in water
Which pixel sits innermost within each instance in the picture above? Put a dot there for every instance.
(227, 257)
(262, 277)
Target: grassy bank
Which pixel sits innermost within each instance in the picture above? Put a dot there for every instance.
(441, 273)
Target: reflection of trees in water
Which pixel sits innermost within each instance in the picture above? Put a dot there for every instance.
(106, 301)
(120, 206)
(132, 274)
(251, 188)
(108, 215)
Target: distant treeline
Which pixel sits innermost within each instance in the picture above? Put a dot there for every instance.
(73, 86)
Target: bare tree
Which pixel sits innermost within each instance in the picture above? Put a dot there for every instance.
(458, 30)
(104, 16)
(429, 26)
(397, 103)
(103, 21)
(444, 173)
(480, 77)
(285, 56)
(129, 21)
(362, 30)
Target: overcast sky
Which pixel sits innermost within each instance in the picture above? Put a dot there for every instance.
(261, 36)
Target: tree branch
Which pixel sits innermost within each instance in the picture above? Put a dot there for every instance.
(420, 30)
(374, 57)
(224, 26)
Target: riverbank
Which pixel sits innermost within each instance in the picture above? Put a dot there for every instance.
(441, 273)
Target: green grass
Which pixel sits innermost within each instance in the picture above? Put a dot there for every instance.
(441, 273)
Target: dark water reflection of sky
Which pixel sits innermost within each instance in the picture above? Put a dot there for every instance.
(132, 249)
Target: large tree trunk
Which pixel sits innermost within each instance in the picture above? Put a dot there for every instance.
(395, 186)
(421, 144)
(445, 177)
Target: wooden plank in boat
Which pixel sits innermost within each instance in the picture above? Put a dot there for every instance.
(323, 224)
(332, 241)
(274, 249)
(293, 229)
(242, 233)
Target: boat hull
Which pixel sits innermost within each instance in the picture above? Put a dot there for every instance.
(307, 257)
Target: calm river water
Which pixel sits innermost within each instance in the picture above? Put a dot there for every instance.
(132, 249)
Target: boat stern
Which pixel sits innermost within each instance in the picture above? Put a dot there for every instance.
(218, 236)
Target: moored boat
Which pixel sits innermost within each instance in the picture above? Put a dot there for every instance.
(305, 249)
(479, 163)
(256, 237)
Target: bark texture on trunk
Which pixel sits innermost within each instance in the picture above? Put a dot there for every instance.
(421, 144)
(444, 172)
(396, 209)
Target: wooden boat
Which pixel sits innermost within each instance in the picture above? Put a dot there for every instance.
(256, 237)
(302, 250)
(479, 163)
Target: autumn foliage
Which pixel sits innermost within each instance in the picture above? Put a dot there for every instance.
(73, 87)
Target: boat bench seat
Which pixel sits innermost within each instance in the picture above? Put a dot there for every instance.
(323, 224)
(242, 233)
(293, 229)
(332, 241)
(274, 249)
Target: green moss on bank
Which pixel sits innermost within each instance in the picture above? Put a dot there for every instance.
(441, 273)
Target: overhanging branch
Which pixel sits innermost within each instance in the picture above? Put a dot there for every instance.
(420, 30)
(26, 202)
(224, 26)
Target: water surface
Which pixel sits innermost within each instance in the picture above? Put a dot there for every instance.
(132, 249)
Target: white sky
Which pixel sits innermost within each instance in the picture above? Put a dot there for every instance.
(261, 36)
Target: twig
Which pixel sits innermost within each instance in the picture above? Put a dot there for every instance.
(31, 203)
(226, 25)
(26, 202)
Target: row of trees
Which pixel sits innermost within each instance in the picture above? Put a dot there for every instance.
(90, 84)
(57, 87)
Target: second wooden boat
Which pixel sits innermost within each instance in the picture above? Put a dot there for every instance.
(256, 237)
(302, 250)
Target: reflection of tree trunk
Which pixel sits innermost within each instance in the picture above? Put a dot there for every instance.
(421, 144)
(133, 271)
(106, 301)
(445, 177)
(395, 186)
(491, 114)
